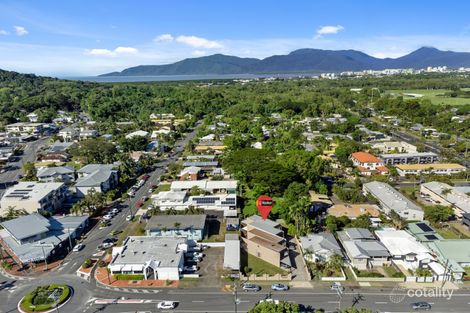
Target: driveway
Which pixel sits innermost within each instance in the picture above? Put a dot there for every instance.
(211, 267)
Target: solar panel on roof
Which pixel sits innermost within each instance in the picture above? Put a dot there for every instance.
(431, 237)
(424, 227)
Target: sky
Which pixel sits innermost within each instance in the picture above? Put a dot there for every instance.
(83, 38)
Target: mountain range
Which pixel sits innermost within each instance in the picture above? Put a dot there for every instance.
(301, 61)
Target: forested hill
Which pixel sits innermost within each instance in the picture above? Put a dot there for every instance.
(299, 61)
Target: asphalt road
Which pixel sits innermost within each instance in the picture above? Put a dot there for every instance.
(29, 155)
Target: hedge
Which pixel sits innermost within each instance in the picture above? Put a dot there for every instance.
(129, 276)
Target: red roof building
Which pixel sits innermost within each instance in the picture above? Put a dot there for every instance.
(368, 164)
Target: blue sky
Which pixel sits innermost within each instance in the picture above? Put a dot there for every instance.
(76, 38)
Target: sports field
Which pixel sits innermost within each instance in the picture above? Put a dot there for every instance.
(435, 95)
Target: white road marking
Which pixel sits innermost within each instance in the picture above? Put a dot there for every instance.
(198, 301)
(383, 302)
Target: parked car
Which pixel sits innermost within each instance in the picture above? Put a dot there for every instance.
(144, 198)
(269, 300)
(107, 217)
(421, 306)
(139, 204)
(78, 247)
(146, 177)
(195, 254)
(279, 287)
(129, 217)
(194, 259)
(115, 211)
(336, 286)
(166, 305)
(251, 287)
(190, 268)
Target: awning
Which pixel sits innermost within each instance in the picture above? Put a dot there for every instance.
(437, 268)
(126, 268)
(137, 268)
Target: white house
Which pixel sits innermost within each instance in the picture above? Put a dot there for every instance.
(319, 247)
(99, 177)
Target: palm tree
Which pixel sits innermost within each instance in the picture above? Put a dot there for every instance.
(299, 214)
(334, 263)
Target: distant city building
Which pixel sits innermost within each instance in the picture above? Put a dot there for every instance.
(409, 158)
(435, 168)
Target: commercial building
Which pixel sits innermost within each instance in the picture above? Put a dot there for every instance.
(25, 128)
(436, 168)
(394, 147)
(232, 252)
(368, 164)
(34, 197)
(56, 174)
(265, 240)
(156, 258)
(409, 158)
(392, 200)
(319, 247)
(444, 194)
(190, 226)
(363, 249)
(34, 238)
(99, 177)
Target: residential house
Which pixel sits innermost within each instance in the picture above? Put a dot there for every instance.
(99, 177)
(436, 168)
(363, 249)
(34, 238)
(212, 186)
(191, 226)
(190, 173)
(86, 133)
(155, 258)
(56, 174)
(404, 249)
(32, 117)
(216, 146)
(466, 220)
(453, 253)
(264, 239)
(69, 134)
(137, 133)
(444, 194)
(34, 197)
(368, 164)
(391, 200)
(319, 247)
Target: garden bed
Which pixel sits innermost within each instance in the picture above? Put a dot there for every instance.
(45, 298)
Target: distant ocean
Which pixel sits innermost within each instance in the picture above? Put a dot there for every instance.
(130, 79)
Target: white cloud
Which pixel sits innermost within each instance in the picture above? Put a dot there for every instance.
(3, 32)
(163, 37)
(126, 50)
(199, 42)
(112, 53)
(328, 30)
(198, 53)
(20, 30)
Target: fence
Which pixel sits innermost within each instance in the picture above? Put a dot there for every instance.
(376, 279)
(266, 277)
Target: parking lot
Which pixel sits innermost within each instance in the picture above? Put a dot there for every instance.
(210, 268)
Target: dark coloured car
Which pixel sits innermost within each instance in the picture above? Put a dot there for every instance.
(421, 306)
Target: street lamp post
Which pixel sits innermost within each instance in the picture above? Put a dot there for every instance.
(236, 301)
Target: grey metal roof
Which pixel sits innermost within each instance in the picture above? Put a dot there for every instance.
(56, 170)
(27, 226)
(358, 233)
(90, 168)
(96, 174)
(201, 163)
(196, 221)
(232, 252)
(390, 197)
(320, 241)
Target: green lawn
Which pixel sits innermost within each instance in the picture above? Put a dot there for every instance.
(258, 266)
(448, 233)
(163, 187)
(433, 94)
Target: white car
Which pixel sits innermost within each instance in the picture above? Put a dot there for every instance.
(190, 268)
(78, 247)
(275, 301)
(107, 217)
(115, 211)
(129, 217)
(166, 305)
